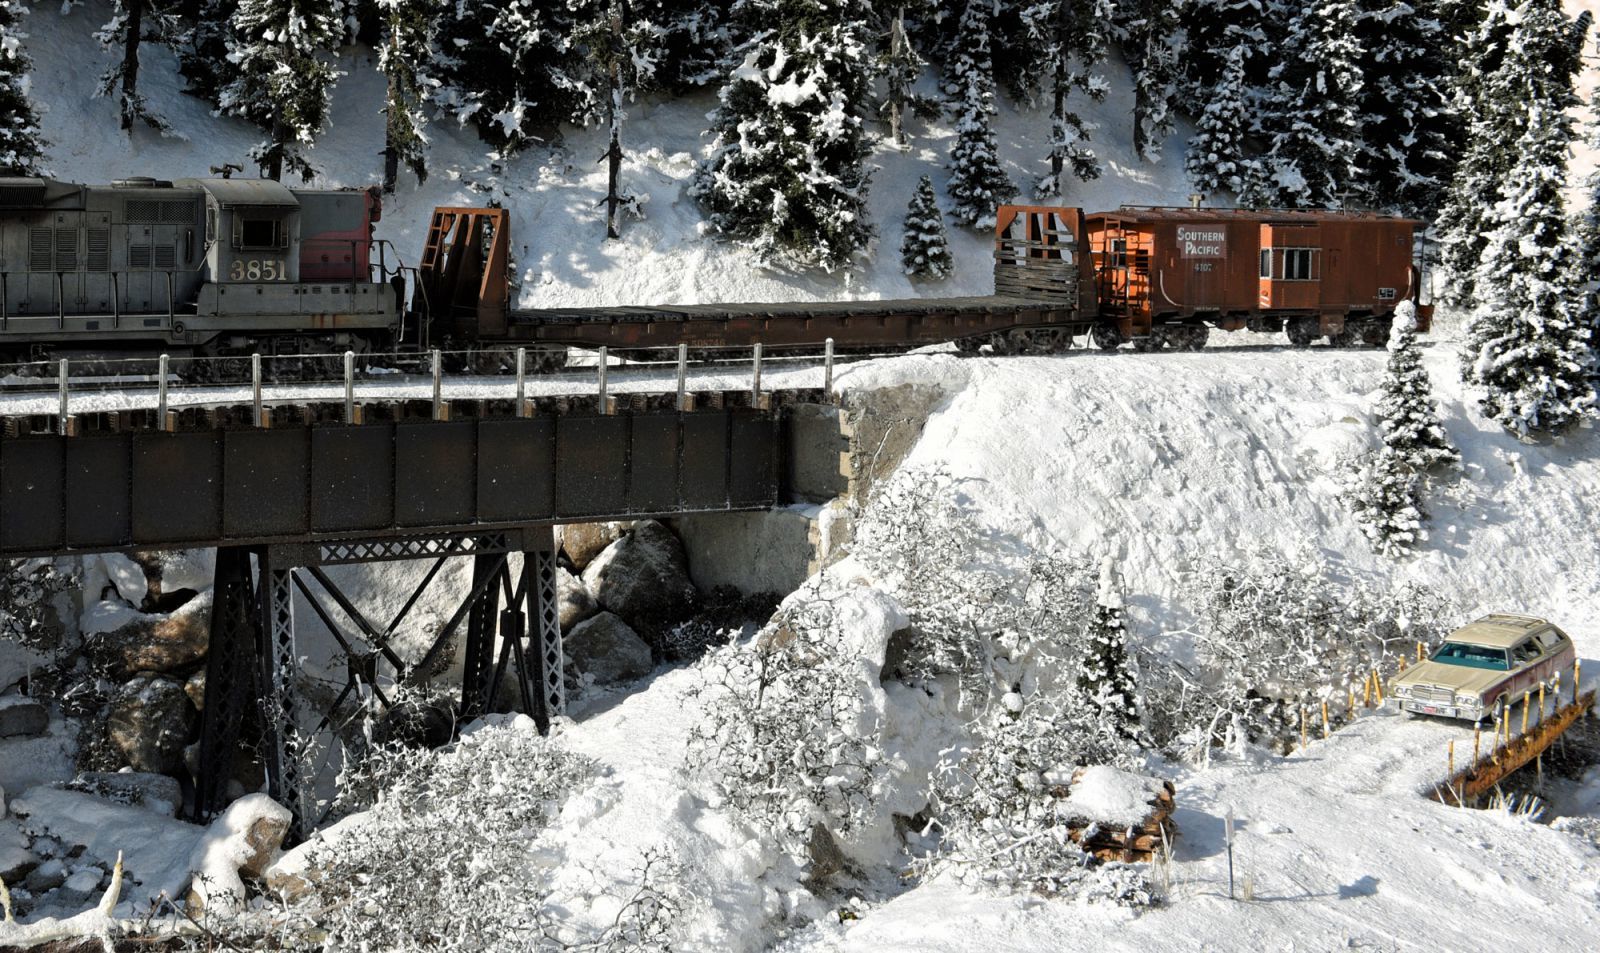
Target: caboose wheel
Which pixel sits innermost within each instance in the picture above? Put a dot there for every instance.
(1375, 333)
(1302, 331)
(968, 345)
(1106, 337)
(1194, 337)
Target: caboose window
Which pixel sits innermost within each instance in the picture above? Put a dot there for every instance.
(1119, 253)
(1297, 264)
(1266, 263)
(257, 234)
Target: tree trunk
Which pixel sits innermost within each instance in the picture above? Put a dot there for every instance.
(897, 91)
(134, 26)
(614, 114)
(391, 152)
(272, 167)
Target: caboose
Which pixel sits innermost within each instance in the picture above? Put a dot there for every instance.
(213, 267)
(1163, 275)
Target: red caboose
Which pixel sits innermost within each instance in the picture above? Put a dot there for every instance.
(1163, 275)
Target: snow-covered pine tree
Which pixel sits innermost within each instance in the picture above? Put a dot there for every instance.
(513, 69)
(282, 49)
(1147, 32)
(1216, 159)
(1499, 79)
(1106, 677)
(1411, 132)
(201, 44)
(978, 183)
(21, 148)
(1526, 343)
(788, 175)
(1588, 232)
(131, 22)
(1408, 416)
(902, 66)
(405, 48)
(1212, 30)
(692, 40)
(925, 247)
(1058, 46)
(1312, 117)
(1386, 493)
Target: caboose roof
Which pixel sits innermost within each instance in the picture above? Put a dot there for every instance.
(1147, 214)
(258, 192)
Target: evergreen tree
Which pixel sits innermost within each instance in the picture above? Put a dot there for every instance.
(1105, 673)
(1216, 158)
(977, 182)
(1506, 68)
(691, 41)
(1213, 30)
(1385, 496)
(1408, 417)
(925, 247)
(1526, 342)
(1147, 31)
(201, 44)
(1312, 118)
(788, 176)
(1411, 133)
(20, 145)
(405, 48)
(281, 48)
(1059, 45)
(131, 21)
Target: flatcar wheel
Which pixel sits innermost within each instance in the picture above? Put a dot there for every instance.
(1051, 340)
(1302, 331)
(1106, 337)
(1150, 342)
(550, 360)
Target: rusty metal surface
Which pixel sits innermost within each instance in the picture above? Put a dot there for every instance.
(320, 482)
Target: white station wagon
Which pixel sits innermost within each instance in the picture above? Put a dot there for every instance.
(1483, 665)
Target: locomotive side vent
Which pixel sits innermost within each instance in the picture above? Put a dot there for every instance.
(22, 196)
(138, 256)
(99, 249)
(142, 211)
(40, 243)
(66, 249)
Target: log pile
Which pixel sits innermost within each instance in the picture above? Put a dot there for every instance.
(1136, 843)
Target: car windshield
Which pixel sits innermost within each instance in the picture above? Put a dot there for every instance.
(1472, 656)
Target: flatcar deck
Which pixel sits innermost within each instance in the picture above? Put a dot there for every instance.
(909, 322)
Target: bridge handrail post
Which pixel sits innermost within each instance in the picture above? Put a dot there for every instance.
(522, 382)
(438, 384)
(161, 392)
(683, 375)
(755, 376)
(605, 399)
(65, 421)
(255, 390)
(350, 387)
(827, 369)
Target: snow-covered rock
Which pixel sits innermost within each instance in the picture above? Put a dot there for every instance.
(582, 542)
(1111, 796)
(22, 717)
(155, 792)
(244, 841)
(170, 571)
(643, 577)
(606, 648)
(150, 723)
(158, 642)
(16, 860)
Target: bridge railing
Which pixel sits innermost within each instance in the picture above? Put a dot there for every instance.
(66, 388)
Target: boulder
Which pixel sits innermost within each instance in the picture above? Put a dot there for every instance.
(573, 600)
(172, 572)
(195, 688)
(150, 723)
(47, 876)
(157, 792)
(606, 648)
(16, 860)
(644, 578)
(241, 843)
(158, 642)
(582, 542)
(22, 717)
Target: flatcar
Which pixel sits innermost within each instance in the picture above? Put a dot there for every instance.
(213, 267)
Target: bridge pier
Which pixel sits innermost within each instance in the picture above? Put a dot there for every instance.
(508, 623)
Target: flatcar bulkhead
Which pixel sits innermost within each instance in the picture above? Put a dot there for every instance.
(214, 267)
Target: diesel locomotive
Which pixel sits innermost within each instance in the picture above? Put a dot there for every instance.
(225, 268)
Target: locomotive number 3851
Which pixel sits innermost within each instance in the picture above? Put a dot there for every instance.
(258, 269)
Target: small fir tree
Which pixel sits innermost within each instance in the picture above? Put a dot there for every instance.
(405, 47)
(1105, 673)
(1058, 46)
(978, 183)
(21, 148)
(788, 176)
(925, 247)
(1386, 493)
(281, 48)
(1526, 343)
(1217, 158)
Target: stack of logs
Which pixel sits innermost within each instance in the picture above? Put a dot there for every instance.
(1140, 842)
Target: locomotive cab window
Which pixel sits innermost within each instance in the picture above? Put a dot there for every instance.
(259, 232)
